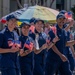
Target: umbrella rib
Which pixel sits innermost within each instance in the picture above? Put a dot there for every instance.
(52, 13)
(48, 13)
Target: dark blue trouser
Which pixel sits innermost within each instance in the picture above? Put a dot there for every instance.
(54, 65)
(38, 69)
(10, 71)
(65, 69)
(26, 70)
(71, 61)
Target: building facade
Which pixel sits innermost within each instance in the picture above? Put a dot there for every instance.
(7, 6)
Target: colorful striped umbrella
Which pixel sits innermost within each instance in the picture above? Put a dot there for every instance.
(17, 13)
(43, 13)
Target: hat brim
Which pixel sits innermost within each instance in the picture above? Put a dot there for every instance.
(61, 17)
(25, 25)
(12, 18)
(15, 18)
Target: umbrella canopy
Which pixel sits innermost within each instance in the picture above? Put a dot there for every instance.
(17, 13)
(43, 13)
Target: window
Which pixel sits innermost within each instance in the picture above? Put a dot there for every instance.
(13, 5)
(60, 4)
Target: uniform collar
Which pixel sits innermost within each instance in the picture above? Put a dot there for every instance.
(59, 29)
(8, 30)
(65, 25)
(37, 32)
(24, 36)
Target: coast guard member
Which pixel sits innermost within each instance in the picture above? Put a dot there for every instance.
(9, 52)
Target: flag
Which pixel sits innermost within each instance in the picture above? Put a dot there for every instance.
(48, 40)
(28, 45)
(10, 43)
(68, 15)
(54, 30)
(18, 43)
(31, 46)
